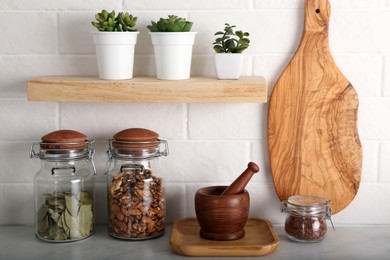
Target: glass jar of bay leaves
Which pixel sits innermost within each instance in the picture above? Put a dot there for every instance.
(64, 188)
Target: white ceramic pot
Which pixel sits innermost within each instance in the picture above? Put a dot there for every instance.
(173, 54)
(228, 65)
(115, 54)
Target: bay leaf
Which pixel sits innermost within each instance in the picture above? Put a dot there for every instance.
(57, 233)
(54, 201)
(72, 205)
(60, 235)
(85, 219)
(43, 225)
(75, 233)
(86, 229)
(54, 215)
(85, 214)
(66, 215)
(70, 221)
(61, 205)
(42, 212)
(64, 224)
(60, 220)
(84, 197)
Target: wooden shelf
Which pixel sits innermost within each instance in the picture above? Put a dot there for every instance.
(147, 90)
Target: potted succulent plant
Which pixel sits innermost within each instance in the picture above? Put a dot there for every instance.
(172, 42)
(115, 42)
(229, 46)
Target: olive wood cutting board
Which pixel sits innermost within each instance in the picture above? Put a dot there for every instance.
(314, 146)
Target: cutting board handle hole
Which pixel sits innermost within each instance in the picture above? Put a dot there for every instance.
(318, 11)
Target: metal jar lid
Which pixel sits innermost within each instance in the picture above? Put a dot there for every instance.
(63, 145)
(306, 205)
(137, 143)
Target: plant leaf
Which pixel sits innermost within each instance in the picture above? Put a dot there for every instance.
(72, 205)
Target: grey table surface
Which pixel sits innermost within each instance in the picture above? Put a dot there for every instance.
(357, 242)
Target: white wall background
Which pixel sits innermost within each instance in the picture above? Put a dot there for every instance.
(210, 143)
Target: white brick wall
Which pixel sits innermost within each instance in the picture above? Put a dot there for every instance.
(209, 143)
(28, 33)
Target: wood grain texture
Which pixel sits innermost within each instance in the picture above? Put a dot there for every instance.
(143, 89)
(312, 122)
(221, 217)
(260, 239)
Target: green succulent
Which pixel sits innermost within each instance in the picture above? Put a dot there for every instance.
(127, 21)
(231, 41)
(108, 22)
(171, 24)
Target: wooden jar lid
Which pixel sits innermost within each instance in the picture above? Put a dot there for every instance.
(64, 139)
(136, 138)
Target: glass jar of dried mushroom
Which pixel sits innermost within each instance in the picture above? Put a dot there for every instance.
(136, 200)
(64, 187)
(306, 218)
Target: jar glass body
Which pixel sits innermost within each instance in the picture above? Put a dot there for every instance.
(306, 218)
(64, 191)
(136, 200)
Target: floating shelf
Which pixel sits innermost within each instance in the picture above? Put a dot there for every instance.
(147, 90)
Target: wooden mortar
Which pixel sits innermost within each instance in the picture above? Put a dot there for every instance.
(221, 217)
(222, 211)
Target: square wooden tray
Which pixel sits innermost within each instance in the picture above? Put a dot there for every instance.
(260, 239)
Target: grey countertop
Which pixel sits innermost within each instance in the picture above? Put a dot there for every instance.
(360, 242)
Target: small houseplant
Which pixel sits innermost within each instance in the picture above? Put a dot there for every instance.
(229, 46)
(172, 41)
(115, 42)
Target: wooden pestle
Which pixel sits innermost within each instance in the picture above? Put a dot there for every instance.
(240, 183)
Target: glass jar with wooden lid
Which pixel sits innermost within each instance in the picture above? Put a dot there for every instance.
(136, 199)
(64, 187)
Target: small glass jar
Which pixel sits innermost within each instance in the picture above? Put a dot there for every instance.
(64, 188)
(306, 218)
(136, 200)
